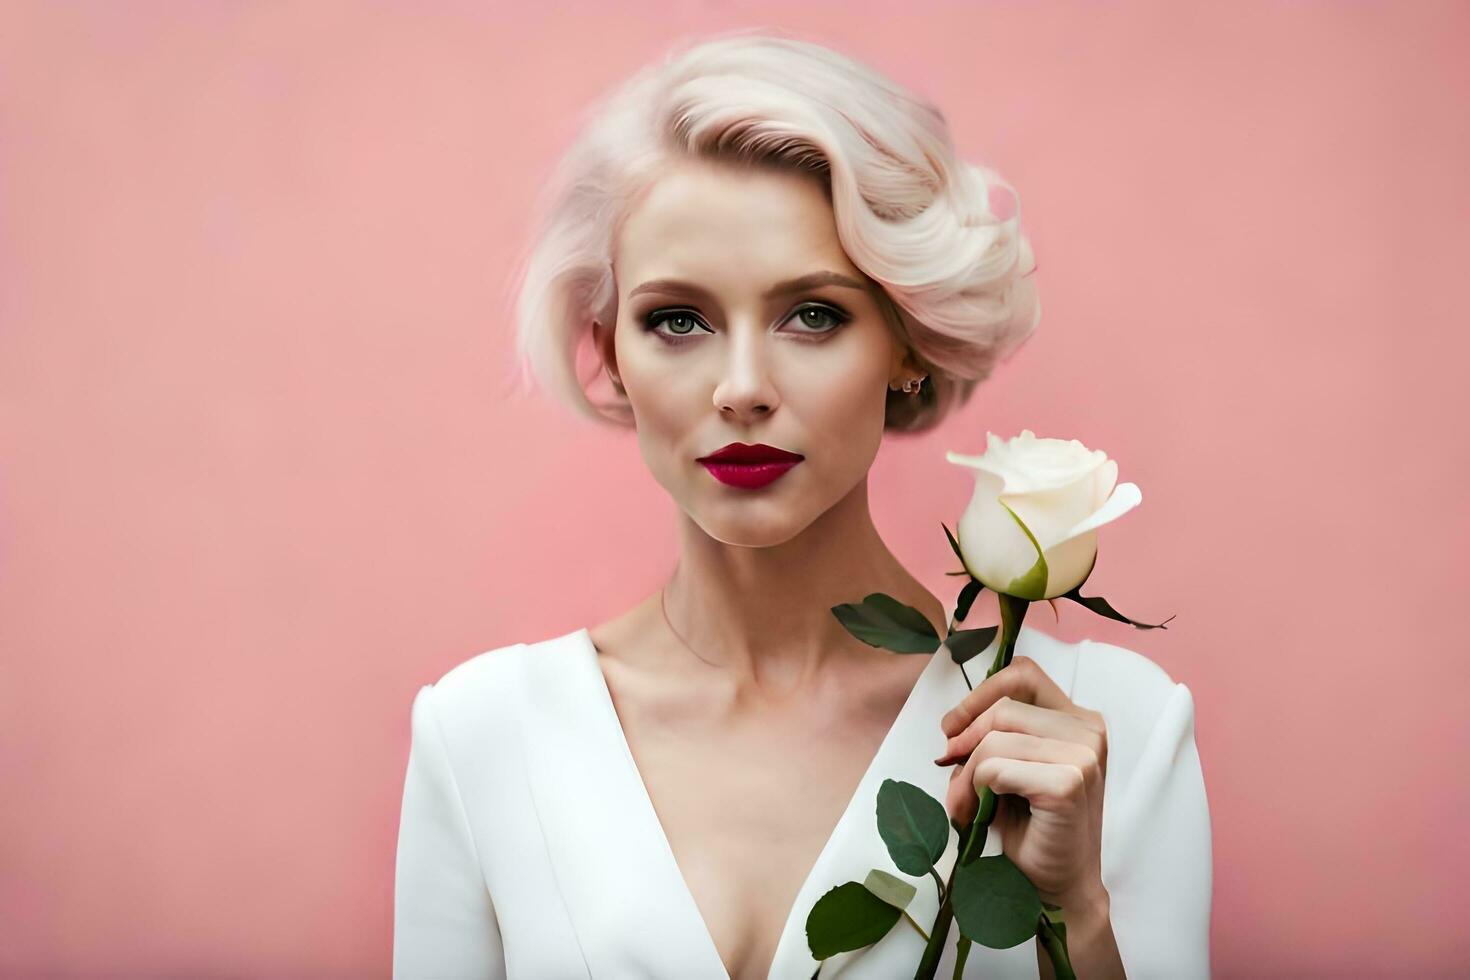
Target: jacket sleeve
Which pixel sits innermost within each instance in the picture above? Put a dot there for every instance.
(444, 923)
(1160, 874)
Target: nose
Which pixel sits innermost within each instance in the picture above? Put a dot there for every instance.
(745, 391)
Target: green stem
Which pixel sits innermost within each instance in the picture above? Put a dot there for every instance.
(1056, 948)
(972, 836)
(929, 964)
(961, 953)
(915, 924)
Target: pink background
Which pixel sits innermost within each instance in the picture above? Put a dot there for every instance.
(264, 471)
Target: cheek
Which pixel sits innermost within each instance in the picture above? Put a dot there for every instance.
(842, 419)
(667, 418)
(664, 421)
(846, 393)
(652, 388)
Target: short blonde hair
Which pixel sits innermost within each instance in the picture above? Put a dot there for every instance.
(911, 216)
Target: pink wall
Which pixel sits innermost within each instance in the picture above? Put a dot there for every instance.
(256, 427)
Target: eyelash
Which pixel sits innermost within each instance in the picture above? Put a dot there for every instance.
(653, 318)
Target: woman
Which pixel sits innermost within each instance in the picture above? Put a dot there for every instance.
(778, 259)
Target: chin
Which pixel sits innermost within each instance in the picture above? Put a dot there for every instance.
(756, 531)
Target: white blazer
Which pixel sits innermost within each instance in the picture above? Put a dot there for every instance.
(529, 849)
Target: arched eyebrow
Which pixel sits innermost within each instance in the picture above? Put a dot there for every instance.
(809, 281)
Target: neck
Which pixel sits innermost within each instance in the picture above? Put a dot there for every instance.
(764, 614)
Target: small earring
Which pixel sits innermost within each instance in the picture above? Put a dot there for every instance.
(913, 384)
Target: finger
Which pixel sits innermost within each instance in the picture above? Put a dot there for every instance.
(960, 800)
(969, 780)
(1009, 809)
(1023, 747)
(1011, 812)
(1009, 715)
(1022, 680)
(1059, 787)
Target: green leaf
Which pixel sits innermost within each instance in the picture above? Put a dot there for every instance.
(967, 597)
(1032, 584)
(848, 917)
(914, 826)
(890, 888)
(965, 644)
(1100, 606)
(882, 621)
(994, 903)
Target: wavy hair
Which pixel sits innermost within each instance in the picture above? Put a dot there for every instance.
(909, 214)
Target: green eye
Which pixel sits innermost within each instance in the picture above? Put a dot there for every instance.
(681, 326)
(833, 318)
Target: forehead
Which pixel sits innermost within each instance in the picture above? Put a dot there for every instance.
(722, 223)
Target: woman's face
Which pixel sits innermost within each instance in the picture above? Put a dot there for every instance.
(715, 344)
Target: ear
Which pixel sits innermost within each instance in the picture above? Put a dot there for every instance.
(901, 364)
(602, 338)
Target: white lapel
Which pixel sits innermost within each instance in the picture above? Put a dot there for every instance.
(628, 903)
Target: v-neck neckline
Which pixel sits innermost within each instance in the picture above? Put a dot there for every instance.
(645, 799)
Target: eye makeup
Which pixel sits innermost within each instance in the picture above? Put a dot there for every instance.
(686, 320)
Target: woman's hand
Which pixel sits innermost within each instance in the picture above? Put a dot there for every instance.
(1024, 736)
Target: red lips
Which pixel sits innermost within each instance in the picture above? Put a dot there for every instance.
(749, 467)
(739, 452)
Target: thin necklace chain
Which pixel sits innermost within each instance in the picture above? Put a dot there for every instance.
(676, 632)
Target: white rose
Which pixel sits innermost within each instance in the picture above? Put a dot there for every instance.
(1030, 530)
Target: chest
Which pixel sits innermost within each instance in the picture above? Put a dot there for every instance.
(747, 809)
(589, 881)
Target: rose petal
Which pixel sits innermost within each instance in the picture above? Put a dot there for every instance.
(1126, 496)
